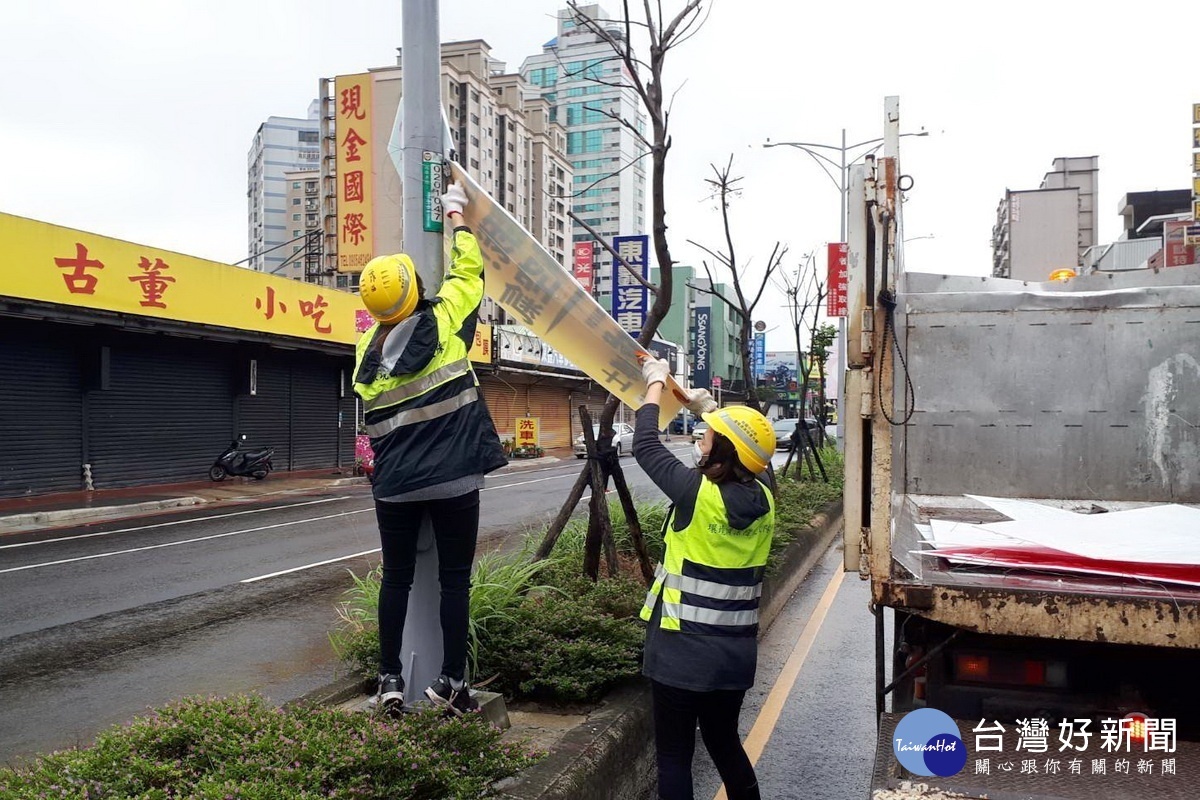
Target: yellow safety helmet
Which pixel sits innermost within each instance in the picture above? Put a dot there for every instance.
(751, 434)
(388, 286)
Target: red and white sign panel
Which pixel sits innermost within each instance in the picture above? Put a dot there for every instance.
(835, 302)
(1176, 250)
(582, 264)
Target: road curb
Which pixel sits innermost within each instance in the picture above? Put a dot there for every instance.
(14, 523)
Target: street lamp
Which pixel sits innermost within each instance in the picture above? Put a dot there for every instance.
(842, 183)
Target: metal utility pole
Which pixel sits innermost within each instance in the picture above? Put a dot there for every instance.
(421, 106)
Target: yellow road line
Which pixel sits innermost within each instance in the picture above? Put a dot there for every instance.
(768, 715)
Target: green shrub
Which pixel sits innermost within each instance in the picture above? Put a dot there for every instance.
(242, 747)
(567, 646)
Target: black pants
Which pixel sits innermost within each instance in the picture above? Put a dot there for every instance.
(676, 712)
(455, 528)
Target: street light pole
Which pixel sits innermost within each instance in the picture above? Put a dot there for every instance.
(843, 186)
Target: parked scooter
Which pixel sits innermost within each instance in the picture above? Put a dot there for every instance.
(255, 463)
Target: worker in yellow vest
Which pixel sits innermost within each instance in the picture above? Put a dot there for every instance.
(433, 440)
(701, 644)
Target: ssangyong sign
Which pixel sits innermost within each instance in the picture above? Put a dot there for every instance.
(701, 370)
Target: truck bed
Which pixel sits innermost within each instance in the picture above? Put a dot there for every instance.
(1023, 602)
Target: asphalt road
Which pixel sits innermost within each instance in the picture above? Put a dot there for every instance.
(104, 622)
(819, 743)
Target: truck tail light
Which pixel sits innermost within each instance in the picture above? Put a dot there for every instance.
(1035, 673)
(971, 667)
(1137, 728)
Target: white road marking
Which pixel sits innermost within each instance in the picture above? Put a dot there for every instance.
(310, 566)
(184, 541)
(175, 522)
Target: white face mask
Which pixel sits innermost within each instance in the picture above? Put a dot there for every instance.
(699, 457)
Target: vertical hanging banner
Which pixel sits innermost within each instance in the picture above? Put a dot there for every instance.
(355, 152)
(759, 360)
(530, 284)
(701, 368)
(583, 262)
(630, 298)
(835, 282)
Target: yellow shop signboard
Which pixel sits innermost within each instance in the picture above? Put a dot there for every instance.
(40, 261)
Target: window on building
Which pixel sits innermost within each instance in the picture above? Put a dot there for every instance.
(474, 163)
(474, 119)
(295, 217)
(295, 201)
(296, 184)
(296, 232)
(474, 97)
(308, 137)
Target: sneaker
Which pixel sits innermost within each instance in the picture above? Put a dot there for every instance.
(389, 696)
(459, 701)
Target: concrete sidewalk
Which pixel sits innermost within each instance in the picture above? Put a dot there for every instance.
(19, 514)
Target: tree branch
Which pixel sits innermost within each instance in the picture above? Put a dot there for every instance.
(617, 256)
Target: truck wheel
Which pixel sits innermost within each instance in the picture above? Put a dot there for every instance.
(216, 473)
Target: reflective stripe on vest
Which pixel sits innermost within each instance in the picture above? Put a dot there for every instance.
(709, 616)
(716, 591)
(421, 385)
(423, 414)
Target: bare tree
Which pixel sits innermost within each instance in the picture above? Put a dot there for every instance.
(725, 188)
(806, 291)
(644, 75)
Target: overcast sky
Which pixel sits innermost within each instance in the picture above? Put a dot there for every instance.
(134, 119)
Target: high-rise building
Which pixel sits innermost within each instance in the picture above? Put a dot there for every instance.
(502, 134)
(587, 88)
(303, 204)
(281, 144)
(1052, 227)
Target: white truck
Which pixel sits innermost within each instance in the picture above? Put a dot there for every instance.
(1081, 395)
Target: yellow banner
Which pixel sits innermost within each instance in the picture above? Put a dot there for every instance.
(527, 432)
(524, 278)
(40, 261)
(481, 347)
(355, 159)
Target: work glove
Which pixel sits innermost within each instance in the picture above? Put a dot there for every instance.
(655, 370)
(455, 199)
(700, 401)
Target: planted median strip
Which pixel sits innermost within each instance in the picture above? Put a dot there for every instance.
(538, 632)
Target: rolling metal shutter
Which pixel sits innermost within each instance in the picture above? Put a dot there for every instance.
(265, 417)
(549, 402)
(166, 416)
(41, 416)
(552, 407)
(314, 414)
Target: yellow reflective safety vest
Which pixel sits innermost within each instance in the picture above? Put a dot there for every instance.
(711, 577)
(422, 406)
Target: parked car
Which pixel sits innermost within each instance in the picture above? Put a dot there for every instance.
(622, 440)
(784, 428)
(699, 429)
(677, 425)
